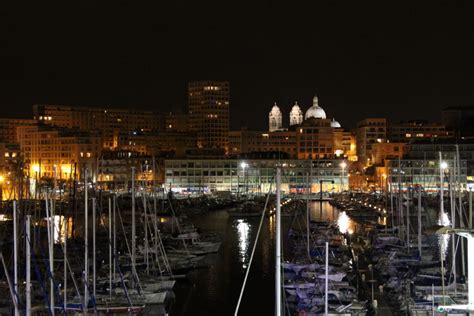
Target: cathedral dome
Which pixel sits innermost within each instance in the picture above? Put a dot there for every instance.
(275, 119)
(315, 111)
(275, 110)
(335, 124)
(296, 115)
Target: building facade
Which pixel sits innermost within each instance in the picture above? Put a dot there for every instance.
(405, 132)
(243, 142)
(106, 120)
(8, 128)
(254, 176)
(368, 132)
(410, 173)
(208, 106)
(386, 151)
(59, 153)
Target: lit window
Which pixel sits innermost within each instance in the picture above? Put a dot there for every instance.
(82, 154)
(88, 155)
(407, 135)
(7, 155)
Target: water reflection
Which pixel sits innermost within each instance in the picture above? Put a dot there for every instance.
(272, 227)
(443, 240)
(343, 222)
(243, 230)
(326, 212)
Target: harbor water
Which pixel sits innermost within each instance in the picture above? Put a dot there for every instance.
(215, 290)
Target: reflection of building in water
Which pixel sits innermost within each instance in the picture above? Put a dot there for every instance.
(253, 176)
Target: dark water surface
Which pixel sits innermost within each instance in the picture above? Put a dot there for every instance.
(215, 290)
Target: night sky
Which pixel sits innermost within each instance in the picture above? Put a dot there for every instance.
(398, 59)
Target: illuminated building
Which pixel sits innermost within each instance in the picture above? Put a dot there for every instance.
(386, 151)
(115, 170)
(368, 132)
(10, 170)
(244, 141)
(275, 119)
(59, 153)
(296, 115)
(424, 172)
(315, 136)
(158, 143)
(405, 132)
(208, 106)
(107, 120)
(253, 176)
(315, 139)
(8, 128)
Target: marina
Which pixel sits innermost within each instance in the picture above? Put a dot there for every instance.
(353, 254)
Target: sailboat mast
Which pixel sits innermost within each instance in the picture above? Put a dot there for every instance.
(326, 280)
(441, 185)
(408, 217)
(93, 248)
(64, 263)
(307, 216)
(28, 265)
(110, 248)
(278, 244)
(134, 239)
(419, 220)
(86, 244)
(15, 252)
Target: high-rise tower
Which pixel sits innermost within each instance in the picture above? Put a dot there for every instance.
(208, 106)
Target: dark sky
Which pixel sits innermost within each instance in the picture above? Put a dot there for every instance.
(399, 59)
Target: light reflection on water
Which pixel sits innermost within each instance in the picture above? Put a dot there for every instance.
(443, 240)
(243, 230)
(326, 212)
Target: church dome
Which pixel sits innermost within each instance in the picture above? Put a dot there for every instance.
(296, 115)
(275, 110)
(275, 119)
(335, 124)
(315, 111)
